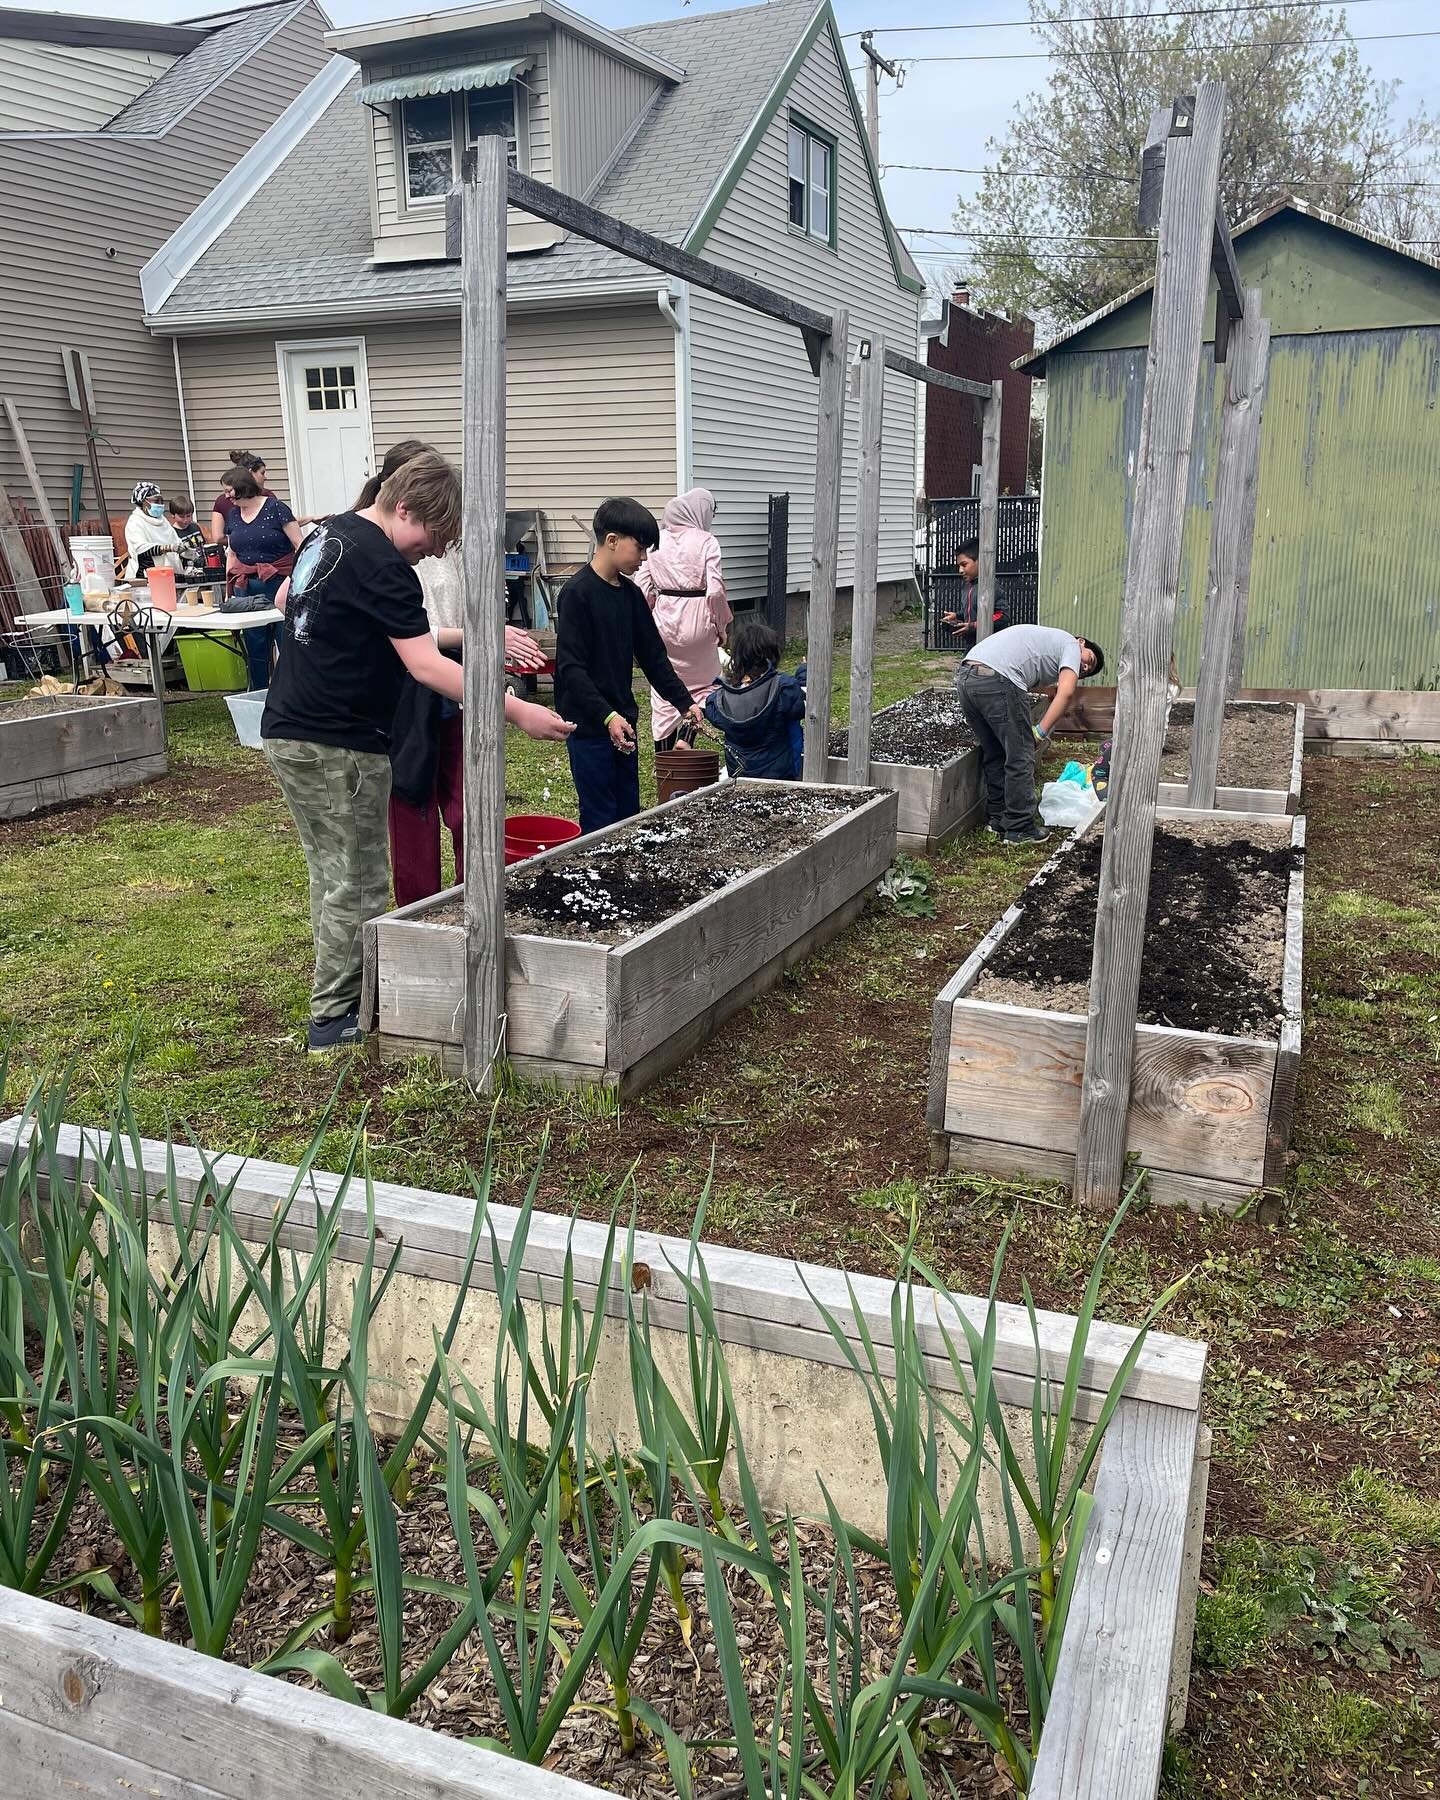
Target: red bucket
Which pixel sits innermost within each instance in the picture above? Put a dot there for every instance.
(526, 834)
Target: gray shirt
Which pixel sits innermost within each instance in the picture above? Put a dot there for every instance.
(1031, 656)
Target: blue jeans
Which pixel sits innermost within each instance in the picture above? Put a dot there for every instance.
(606, 780)
(259, 638)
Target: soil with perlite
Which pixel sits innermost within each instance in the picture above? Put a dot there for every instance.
(1214, 930)
(921, 731)
(612, 889)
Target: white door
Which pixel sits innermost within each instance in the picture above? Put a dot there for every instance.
(327, 405)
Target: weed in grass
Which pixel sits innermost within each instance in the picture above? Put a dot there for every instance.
(1375, 1105)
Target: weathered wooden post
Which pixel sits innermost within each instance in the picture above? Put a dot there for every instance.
(482, 387)
(1152, 577)
(871, 365)
(825, 543)
(989, 510)
(1232, 542)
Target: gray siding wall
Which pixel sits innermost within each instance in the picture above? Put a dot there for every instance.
(596, 99)
(393, 221)
(63, 206)
(590, 406)
(752, 394)
(70, 87)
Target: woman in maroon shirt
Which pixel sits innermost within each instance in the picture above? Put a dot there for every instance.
(225, 500)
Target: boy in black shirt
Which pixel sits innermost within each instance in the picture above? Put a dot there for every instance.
(604, 629)
(354, 623)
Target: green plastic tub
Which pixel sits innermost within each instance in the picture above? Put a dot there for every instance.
(213, 662)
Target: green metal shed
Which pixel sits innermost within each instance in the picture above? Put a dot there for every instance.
(1345, 588)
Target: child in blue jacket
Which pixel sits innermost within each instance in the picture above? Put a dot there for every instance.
(755, 707)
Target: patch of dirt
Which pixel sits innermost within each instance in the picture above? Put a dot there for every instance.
(922, 731)
(204, 795)
(654, 868)
(1257, 744)
(38, 707)
(1214, 931)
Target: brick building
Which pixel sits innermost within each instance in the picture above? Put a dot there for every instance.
(979, 346)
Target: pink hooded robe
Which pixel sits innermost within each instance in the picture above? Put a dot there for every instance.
(682, 582)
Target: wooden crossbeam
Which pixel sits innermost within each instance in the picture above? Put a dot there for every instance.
(940, 378)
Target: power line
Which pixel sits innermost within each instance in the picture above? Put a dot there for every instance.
(1034, 237)
(1166, 12)
(1133, 180)
(1374, 37)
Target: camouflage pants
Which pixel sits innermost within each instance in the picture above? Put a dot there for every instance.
(339, 800)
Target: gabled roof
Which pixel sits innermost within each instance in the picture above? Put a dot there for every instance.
(673, 172)
(1035, 364)
(185, 83)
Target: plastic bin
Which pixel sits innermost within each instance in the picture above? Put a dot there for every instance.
(526, 834)
(245, 710)
(213, 662)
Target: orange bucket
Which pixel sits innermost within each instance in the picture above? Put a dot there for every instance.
(161, 583)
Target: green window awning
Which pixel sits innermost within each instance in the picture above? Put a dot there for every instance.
(446, 81)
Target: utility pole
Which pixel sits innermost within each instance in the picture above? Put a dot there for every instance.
(874, 63)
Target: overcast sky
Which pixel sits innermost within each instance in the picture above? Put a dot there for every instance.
(946, 111)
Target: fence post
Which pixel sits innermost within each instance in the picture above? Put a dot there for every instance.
(825, 543)
(989, 510)
(1152, 578)
(1232, 540)
(777, 562)
(867, 558)
(482, 390)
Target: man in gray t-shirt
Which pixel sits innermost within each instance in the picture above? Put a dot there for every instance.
(995, 682)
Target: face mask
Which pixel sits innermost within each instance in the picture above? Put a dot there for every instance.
(156, 512)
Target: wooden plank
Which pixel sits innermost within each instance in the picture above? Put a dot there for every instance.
(434, 1228)
(1292, 1002)
(1331, 714)
(959, 796)
(586, 221)
(1190, 1582)
(482, 381)
(1199, 1102)
(1019, 1162)
(867, 557)
(19, 800)
(940, 378)
(368, 1012)
(825, 546)
(1152, 578)
(555, 998)
(37, 487)
(1263, 801)
(89, 735)
(1106, 1725)
(254, 1737)
(1232, 543)
(1297, 763)
(43, 1762)
(989, 559)
(29, 595)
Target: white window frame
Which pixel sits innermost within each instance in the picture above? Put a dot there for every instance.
(518, 147)
(814, 141)
(418, 202)
(460, 141)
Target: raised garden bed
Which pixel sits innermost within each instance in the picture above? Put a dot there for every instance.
(91, 1706)
(1262, 745)
(922, 748)
(75, 746)
(625, 949)
(1217, 1045)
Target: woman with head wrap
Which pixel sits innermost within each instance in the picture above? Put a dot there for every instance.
(151, 541)
(682, 581)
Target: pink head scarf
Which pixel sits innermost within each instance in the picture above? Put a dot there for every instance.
(691, 511)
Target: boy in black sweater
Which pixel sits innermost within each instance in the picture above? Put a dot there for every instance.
(604, 629)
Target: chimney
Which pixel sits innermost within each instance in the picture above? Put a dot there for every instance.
(962, 296)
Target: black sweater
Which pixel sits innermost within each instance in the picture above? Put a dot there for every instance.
(602, 633)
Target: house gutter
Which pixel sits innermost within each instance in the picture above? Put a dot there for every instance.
(184, 427)
(675, 307)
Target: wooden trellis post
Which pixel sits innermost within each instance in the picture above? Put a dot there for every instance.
(1232, 541)
(1172, 368)
(825, 544)
(871, 367)
(482, 387)
(989, 510)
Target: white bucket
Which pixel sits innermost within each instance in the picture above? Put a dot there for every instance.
(245, 710)
(94, 563)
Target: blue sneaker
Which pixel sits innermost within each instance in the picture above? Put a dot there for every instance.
(338, 1033)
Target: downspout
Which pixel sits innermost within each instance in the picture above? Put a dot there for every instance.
(184, 429)
(675, 306)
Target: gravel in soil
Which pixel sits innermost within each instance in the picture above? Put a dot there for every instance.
(40, 706)
(922, 731)
(1257, 744)
(650, 870)
(1214, 931)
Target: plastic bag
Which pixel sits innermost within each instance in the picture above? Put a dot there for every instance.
(1067, 804)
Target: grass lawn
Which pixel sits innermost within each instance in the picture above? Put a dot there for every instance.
(172, 920)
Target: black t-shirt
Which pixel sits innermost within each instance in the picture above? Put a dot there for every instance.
(603, 632)
(338, 678)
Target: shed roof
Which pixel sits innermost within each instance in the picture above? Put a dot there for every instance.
(1125, 320)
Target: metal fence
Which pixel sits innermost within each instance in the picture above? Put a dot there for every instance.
(947, 524)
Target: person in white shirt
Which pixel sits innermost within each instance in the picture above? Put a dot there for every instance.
(150, 539)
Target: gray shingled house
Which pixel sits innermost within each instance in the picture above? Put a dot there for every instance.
(113, 132)
(316, 318)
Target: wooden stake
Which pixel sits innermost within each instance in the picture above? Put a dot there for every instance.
(1152, 579)
(867, 558)
(22, 444)
(1232, 540)
(482, 387)
(29, 597)
(825, 543)
(989, 511)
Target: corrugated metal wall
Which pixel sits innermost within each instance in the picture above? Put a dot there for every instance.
(1345, 590)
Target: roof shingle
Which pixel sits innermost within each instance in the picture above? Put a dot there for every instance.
(192, 77)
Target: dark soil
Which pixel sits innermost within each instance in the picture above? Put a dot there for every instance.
(660, 864)
(922, 731)
(40, 705)
(1257, 744)
(1214, 931)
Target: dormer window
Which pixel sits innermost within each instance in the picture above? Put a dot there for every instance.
(436, 114)
(429, 133)
(491, 114)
